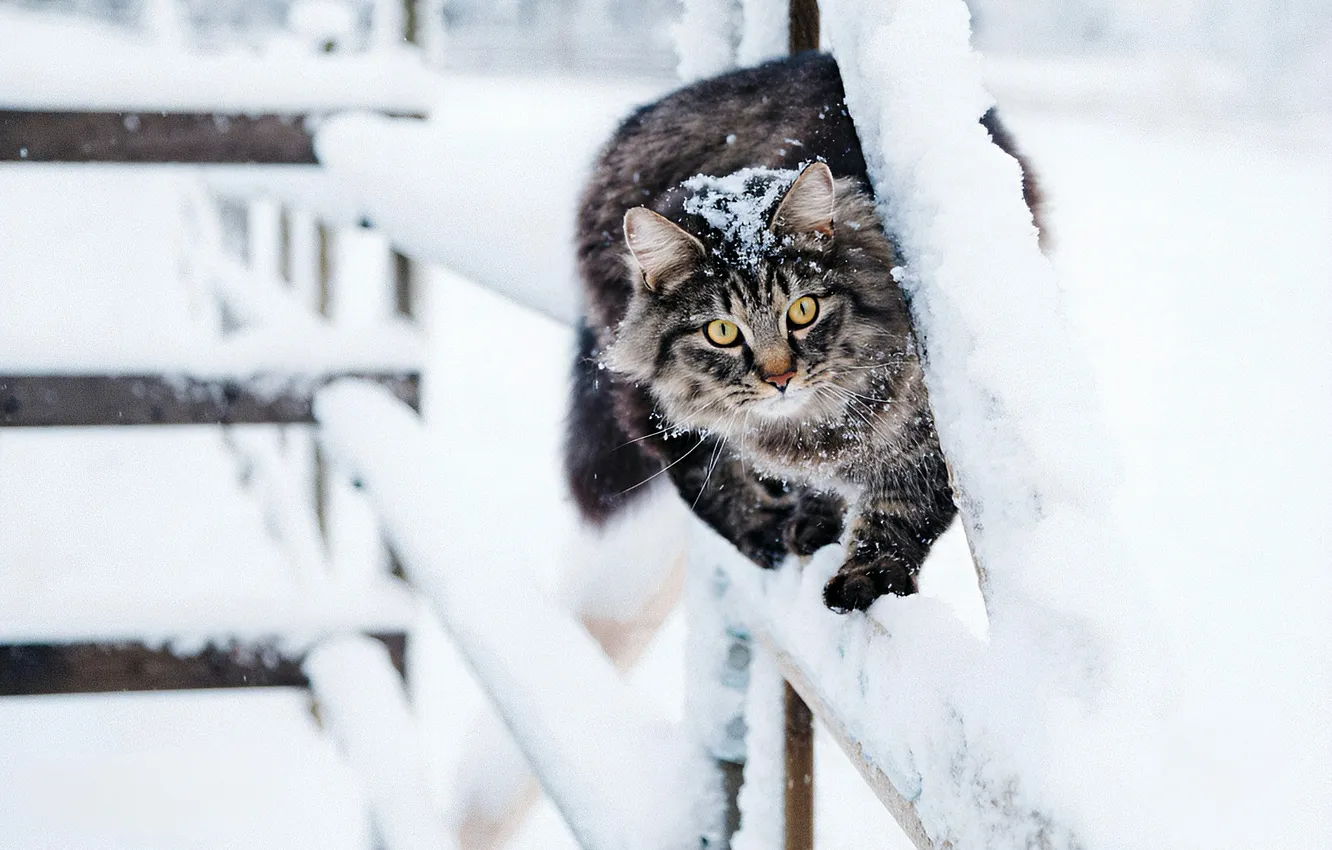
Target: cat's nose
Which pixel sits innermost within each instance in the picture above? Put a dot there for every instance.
(780, 381)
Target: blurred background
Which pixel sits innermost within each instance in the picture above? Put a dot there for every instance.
(166, 593)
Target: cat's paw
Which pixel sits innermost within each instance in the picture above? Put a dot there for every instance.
(856, 585)
(763, 547)
(816, 523)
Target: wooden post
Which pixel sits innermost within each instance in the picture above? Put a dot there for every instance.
(799, 773)
(804, 25)
(404, 285)
(804, 35)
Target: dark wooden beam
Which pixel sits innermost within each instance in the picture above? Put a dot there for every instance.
(81, 400)
(154, 137)
(804, 32)
(89, 668)
(158, 137)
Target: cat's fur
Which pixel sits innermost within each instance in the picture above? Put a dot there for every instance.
(771, 470)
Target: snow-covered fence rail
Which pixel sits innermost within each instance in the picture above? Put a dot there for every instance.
(613, 769)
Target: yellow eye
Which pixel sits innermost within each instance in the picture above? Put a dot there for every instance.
(803, 310)
(723, 333)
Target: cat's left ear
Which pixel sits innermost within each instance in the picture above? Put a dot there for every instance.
(808, 204)
(663, 250)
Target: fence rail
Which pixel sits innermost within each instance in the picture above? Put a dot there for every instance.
(84, 400)
(91, 668)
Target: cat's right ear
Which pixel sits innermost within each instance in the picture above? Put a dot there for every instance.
(662, 249)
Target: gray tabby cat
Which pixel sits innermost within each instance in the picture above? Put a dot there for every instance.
(744, 334)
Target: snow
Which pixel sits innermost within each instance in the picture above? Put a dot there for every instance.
(48, 62)
(763, 796)
(361, 698)
(705, 38)
(260, 355)
(763, 31)
(207, 770)
(738, 205)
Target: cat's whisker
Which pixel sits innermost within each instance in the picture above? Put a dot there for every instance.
(701, 441)
(670, 428)
(716, 455)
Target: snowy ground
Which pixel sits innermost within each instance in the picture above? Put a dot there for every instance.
(1196, 262)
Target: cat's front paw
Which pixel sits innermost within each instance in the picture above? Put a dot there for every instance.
(858, 584)
(763, 546)
(816, 523)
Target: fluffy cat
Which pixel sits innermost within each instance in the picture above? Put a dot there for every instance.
(744, 335)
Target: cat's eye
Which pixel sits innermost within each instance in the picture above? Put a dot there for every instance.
(802, 311)
(721, 332)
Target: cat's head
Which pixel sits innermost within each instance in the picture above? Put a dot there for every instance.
(771, 303)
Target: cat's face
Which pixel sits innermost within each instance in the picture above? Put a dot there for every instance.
(788, 317)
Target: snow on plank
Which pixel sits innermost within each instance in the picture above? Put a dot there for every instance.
(612, 769)
(900, 699)
(358, 688)
(299, 614)
(47, 64)
(433, 185)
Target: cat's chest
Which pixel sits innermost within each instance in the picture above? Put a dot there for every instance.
(842, 457)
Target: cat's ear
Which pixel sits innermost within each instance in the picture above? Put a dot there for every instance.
(808, 204)
(661, 248)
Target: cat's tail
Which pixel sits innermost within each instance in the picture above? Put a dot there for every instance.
(603, 465)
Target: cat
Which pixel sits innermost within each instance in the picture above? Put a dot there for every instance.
(743, 333)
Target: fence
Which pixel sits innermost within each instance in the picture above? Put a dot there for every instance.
(743, 764)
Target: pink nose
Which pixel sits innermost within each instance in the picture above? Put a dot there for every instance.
(780, 381)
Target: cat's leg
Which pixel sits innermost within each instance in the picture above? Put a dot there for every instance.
(764, 518)
(816, 522)
(890, 538)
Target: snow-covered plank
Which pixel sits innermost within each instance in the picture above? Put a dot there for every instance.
(44, 73)
(88, 668)
(906, 701)
(359, 694)
(314, 351)
(609, 765)
(298, 614)
(173, 399)
(493, 147)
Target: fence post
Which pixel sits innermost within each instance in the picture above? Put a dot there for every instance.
(799, 758)
(804, 35)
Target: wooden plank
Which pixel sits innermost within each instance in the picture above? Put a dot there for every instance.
(902, 810)
(199, 138)
(77, 400)
(799, 772)
(86, 668)
(155, 137)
